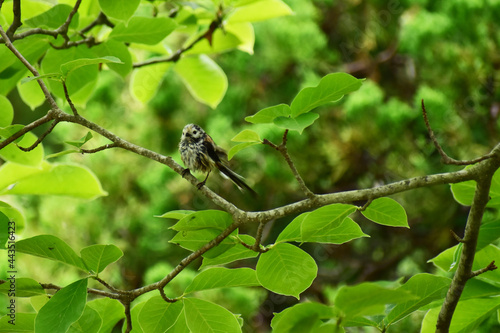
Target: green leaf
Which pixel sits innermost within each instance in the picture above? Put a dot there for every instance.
(331, 88)
(293, 319)
(119, 50)
(31, 94)
(483, 258)
(50, 247)
(426, 287)
(134, 313)
(13, 154)
(10, 130)
(110, 310)
(239, 147)
(194, 239)
(89, 322)
(285, 262)
(368, 299)
(221, 277)
(72, 65)
(203, 316)
(80, 82)
(292, 232)
(82, 141)
(464, 192)
(247, 136)
(205, 80)
(297, 124)
(50, 76)
(146, 80)
(445, 259)
(63, 309)
(237, 252)
(205, 219)
(97, 257)
(488, 233)
(329, 224)
(56, 179)
(53, 18)
(467, 316)
(386, 211)
(268, 115)
(157, 315)
(6, 112)
(25, 322)
(13, 214)
(143, 30)
(259, 11)
(24, 287)
(176, 214)
(120, 10)
(5, 233)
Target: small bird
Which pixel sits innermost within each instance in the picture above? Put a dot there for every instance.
(200, 153)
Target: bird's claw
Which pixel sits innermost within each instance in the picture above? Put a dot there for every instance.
(200, 185)
(185, 172)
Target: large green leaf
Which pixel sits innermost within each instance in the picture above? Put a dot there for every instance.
(50, 247)
(6, 112)
(25, 322)
(212, 219)
(285, 262)
(302, 317)
(297, 124)
(121, 10)
(89, 322)
(31, 94)
(239, 147)
(426, 287)
(157, 315)
(464, 192)
(329, 224)
(24, 287)
(14, 215)
(467, 316)
(143, 30)
(386, 211)
(331, 88)
(110, 310)
(53, 18)
(292, 232)
(97, 257)
(195, 239)
(13, 154)
(268, 115)
(205, 80)
(56, 179)
(63, 309)
(119, 50)
(203, 316)
(237, 252)
(259, 11)
(368, 299)
(72, 65)
(146, 80)
(221, 277)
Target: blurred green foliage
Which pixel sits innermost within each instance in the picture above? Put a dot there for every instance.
(443, 52)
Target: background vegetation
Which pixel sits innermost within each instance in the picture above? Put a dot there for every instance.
(443, 52)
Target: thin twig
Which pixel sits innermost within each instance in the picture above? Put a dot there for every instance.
(66, 94)
(40, 139)
(490, 267)
(282, 148)
(107, 285)
(16, 22)
(39, 122)
(32, 69)
(177, 54)
(165, 298)
(457, 237)
(258, 238)
(101, 148)
(445, 158)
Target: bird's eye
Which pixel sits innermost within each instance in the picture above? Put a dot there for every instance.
(194, 132)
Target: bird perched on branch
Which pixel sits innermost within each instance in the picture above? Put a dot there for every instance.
(200, 153)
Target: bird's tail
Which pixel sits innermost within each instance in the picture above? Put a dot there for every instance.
(237, 179)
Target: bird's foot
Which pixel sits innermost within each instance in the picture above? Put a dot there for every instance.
(200, 184)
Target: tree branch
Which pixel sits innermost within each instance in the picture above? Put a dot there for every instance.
(16, 22)
(40, 139)
(490, 267)
(283, 150)
(445, 158)
(464, 272)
